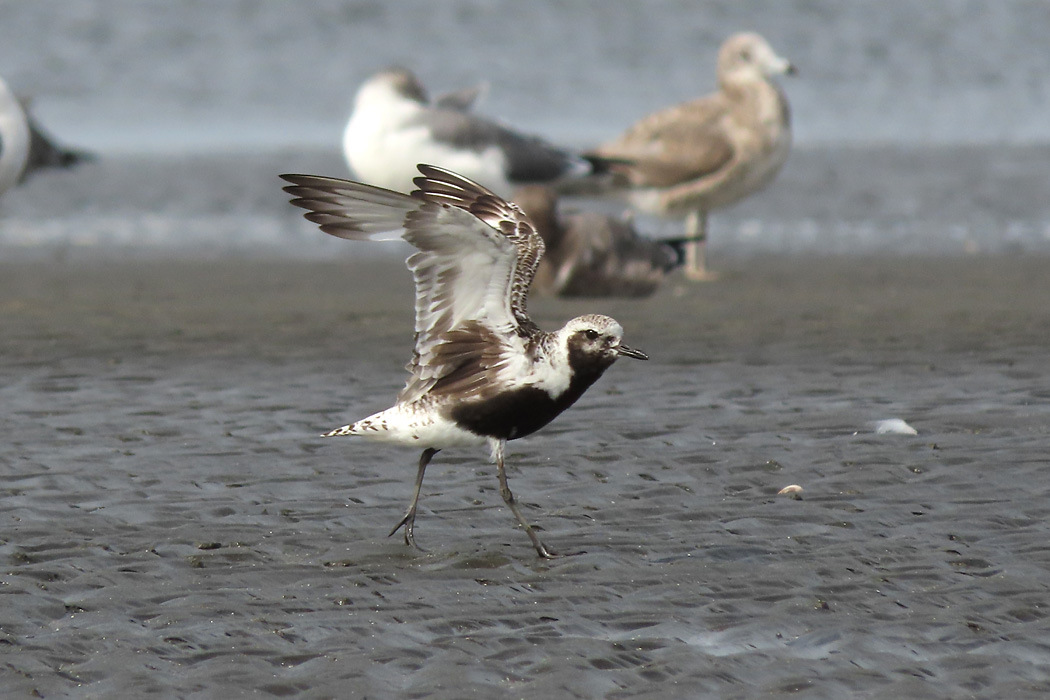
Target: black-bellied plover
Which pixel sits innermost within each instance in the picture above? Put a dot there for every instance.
(481, 371)
(394, 126)
(712, 151)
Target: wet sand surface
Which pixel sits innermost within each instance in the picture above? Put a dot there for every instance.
(171, 526)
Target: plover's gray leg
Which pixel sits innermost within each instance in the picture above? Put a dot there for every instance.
(508, 498)
(409, 520)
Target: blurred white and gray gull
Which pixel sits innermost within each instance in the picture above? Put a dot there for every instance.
(395, 126)
(589, 254)
(712, 151)
(14, 139)
(482, 371)
(24, 145)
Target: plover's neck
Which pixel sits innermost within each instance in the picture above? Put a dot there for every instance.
(563, 369)
(557, 377)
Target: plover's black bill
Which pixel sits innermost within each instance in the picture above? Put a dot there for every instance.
(631, 352)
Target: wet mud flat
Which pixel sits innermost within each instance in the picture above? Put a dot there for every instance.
(171, 526)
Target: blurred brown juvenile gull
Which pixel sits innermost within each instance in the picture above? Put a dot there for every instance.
(394, 126)
(24, 146)
(589, 254)
(712, 151)
(482, 371)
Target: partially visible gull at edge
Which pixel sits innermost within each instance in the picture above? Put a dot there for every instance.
(24, 146)
(712, 151)
(395, 126)
(589, 254)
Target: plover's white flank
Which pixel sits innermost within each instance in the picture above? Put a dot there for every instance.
(394, 126)
(712, 151)
(482, 371)
(24, 147)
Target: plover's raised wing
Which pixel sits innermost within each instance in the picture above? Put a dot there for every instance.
(477, 255)
(504, 218)
(351, 210)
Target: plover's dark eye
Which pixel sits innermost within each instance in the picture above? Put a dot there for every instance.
(591, 334)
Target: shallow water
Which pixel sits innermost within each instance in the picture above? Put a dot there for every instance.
(856, 201)
(172, 526)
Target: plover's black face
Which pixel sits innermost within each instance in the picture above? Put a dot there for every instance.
(599, 340)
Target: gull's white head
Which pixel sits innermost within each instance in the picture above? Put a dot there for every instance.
(747, 58)
(390, 86)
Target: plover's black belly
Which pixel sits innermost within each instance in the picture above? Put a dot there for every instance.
(514, 414)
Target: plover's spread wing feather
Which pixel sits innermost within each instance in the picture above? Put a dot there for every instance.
(351, 210)
(506, 223)
(476, 257)
(471, 358)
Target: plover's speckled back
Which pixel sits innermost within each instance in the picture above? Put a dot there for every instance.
(482, 371)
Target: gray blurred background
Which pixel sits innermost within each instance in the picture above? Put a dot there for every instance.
(920, 126)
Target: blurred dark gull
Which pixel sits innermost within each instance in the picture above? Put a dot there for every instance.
(712, 151)
(395, 126)
(594, 255)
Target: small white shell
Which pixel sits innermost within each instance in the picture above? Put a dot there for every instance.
(894, 426)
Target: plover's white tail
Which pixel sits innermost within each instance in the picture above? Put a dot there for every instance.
(377, 425)
(416, 424)
(343, 431)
